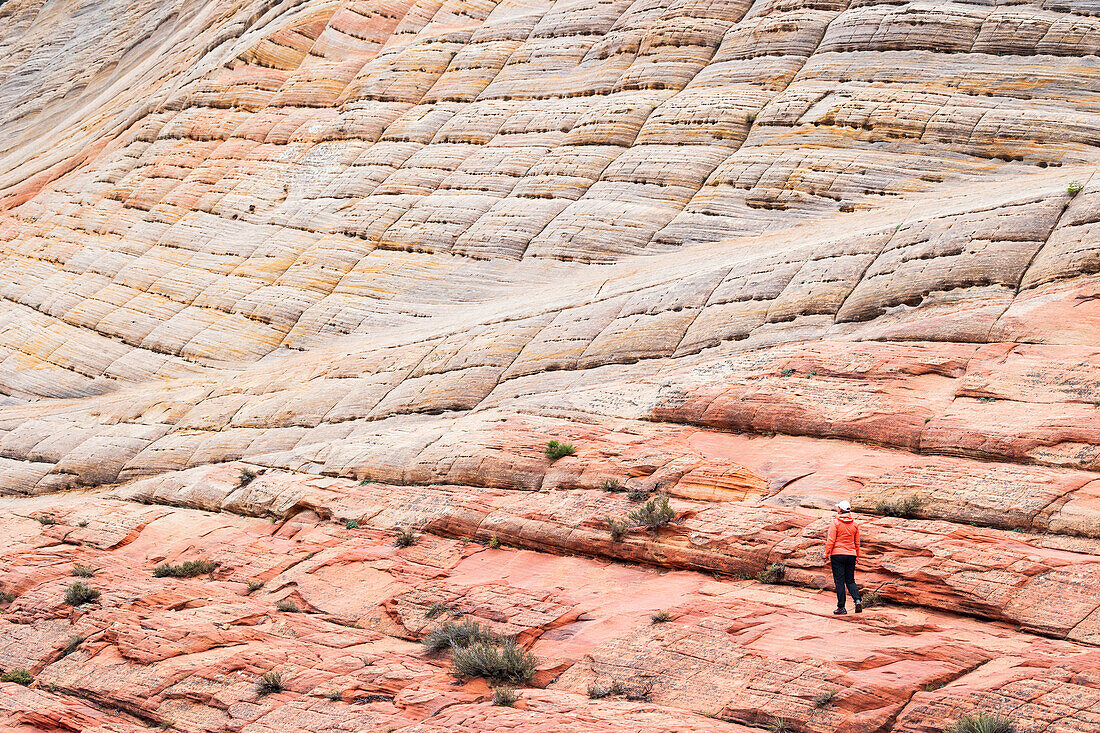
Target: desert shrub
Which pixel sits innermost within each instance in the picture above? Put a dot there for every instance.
(253, 586)
(653, 514)
(772, 574)
(778, 726)
(245, 477)
(982, 723)
(906, 508)
(436, 609)
(505, 697)
(661, 617)
(186, 569)
(611, 484)
(617, 528)
(493, 543)
(871, 598)
(335, 696)
(80, 593)
(46, 519)
(270, 682)
(1074, 188)
(451, 635)
(824, 698)
(404, 538)
(73, 644)
(82, 523)
(351, 524)
(18, 676)
(596, 692)
(500, 661)
(637, 495)
(288, 606)
(82, 571)
(556, 450)
(7, 597)
(786, 372)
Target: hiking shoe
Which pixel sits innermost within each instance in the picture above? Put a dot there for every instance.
(840, 612)
(859, 606)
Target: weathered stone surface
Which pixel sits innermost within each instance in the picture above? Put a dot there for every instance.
(757, 256)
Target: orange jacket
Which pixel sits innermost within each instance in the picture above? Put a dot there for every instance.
(843, 537)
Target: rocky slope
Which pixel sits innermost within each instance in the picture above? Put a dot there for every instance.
(757, 256)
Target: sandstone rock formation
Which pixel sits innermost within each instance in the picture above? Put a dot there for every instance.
(756, 255)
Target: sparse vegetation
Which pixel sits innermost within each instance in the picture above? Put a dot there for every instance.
(505, 697)
(637, 494)
(772, 574)
(186, 569)
(82, 523)
(451, 635)
(253, 586)
(1074, 188)
(73, 645)
(653, 514)
(617, 528)
(661, 617)
(436, 609)
(611, 484)
(494, 542)
(778, 726)
(45, 519)
(871, 598)
(270, 682)
(983, 723)
(18, 676)
(597, 692)
(7, 597)
(335, 696)
(404, 538)
(288, 606)
(499, 661)
(556, 450)
(245, 477)
(906, 508)
(351, 524)
(824, 698)
(80, 593)
(786, 372)
(82, 571)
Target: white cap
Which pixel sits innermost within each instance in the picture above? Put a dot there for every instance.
(844, 506)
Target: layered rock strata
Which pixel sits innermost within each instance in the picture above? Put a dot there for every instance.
(757, 256)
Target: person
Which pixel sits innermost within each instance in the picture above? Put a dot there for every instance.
(842, 552)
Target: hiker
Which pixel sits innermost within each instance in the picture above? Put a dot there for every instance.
(842, 551)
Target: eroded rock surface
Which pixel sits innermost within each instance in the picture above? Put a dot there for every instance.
(754, 255)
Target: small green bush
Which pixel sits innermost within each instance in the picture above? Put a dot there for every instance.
(772, 574)
(73, 645)
(1074, 188)
(596, 691)
(82, 571)
(617, 528)
(983, 723)
(46, 519)
(245, 477)
(494, 543)
(335, 696)
(80, 593)
(556, 450)
(7, 597)
(661, 617)
(502, 661)
(778, 726)
(451, 635)
(82, 523)
(18, 676)
(253, 586)
(611, 484)
(786, 372)
(653, 514)
(436, 609)
(505, 697)
(288, 606)
(186, 569)
(637, 495)
(270, 682)
(351, 524)
(824, 698)
(906, 508)
(404, 538)
(871, 598)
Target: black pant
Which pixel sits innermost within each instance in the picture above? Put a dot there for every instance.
(844, 574)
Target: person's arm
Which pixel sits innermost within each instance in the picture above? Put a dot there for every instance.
(857, 542)
(830, 541)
